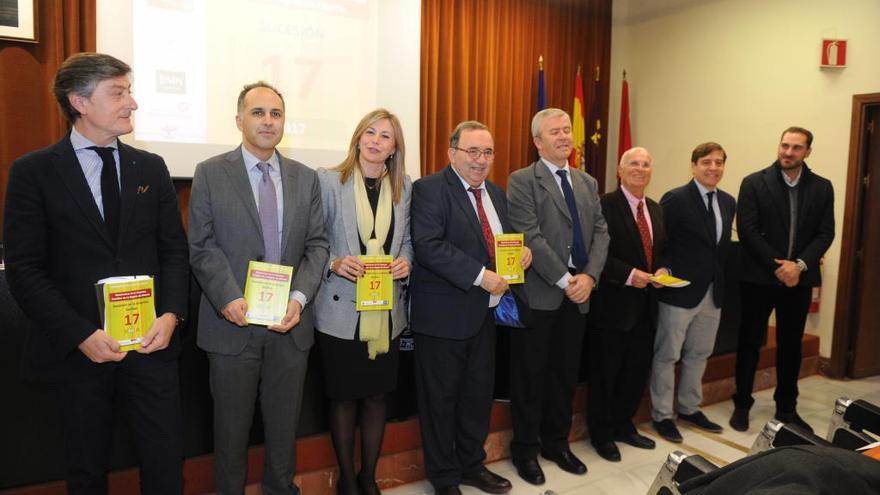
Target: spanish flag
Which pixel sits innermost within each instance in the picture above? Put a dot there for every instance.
(576, 160)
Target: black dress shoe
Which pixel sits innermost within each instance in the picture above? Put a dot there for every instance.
(792, 418)
(700, 420)
(487, 481)
(739, 420)
(607, 451)
(530, 470)
(566, 461)
(636, 440)
(448, 490)
(668, 430)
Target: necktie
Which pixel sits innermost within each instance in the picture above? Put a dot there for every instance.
(711, 211)
(578, 251)
(484, 226)
(645, 233)
(268, 207)
(109, 191)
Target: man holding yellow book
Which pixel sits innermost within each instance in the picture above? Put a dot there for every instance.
(254, 205)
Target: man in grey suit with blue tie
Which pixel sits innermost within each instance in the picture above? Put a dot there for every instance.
(557, 208)
(254, 204)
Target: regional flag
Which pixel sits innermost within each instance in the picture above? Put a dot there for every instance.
(624, 140)
(576, 160)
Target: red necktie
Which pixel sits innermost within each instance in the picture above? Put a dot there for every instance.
(645, 233)
(484, 225)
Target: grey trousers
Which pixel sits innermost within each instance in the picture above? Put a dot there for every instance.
(687, 334)
(272, 365)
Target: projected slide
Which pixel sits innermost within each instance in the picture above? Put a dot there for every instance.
(323, 60)
(333, 60)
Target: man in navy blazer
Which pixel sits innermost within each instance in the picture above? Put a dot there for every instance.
(785, 222)
(455, 214)
(87, 208)
(698, 220)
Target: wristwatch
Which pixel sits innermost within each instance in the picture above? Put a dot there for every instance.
(801, 265)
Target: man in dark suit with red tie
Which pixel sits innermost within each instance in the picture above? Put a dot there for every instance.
(87, 208)
(455, 214)
(623, 316)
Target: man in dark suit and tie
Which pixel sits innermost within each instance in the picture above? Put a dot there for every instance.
(557, 207)
(252, 203)
(698, 218)
(785, 222)
(623, 316)
(84, 209)
(455, 215)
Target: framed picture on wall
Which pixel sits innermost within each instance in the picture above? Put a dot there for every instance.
(18, 20)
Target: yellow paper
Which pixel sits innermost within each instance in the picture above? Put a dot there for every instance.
(669, 281)
(375, 288)
(508, 257)
(266, 290)
(128, 307)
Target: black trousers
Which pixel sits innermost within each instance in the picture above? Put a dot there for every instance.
(544, 363)
(620, 362)
(454, 384)
(147, 392)
(791, 305)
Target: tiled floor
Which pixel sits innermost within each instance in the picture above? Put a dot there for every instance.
(635, 473)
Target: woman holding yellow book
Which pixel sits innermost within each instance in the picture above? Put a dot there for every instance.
(366, 207)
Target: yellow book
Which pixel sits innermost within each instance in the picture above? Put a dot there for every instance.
(375, 289)
(128, 308)
(508, 257)
(266, 291)
(669, 281)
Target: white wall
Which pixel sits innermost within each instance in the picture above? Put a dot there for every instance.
(739, 72)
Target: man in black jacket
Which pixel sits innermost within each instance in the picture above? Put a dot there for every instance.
(87, 208)
(785, 222)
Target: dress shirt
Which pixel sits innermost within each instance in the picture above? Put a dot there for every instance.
(792, 194)
(494, 223)
(255, 176)
(91, 164)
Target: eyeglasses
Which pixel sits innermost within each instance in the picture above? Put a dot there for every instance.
(474, 153)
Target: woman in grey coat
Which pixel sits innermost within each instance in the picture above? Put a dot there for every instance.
(366, 208)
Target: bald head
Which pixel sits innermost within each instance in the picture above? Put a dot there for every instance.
(634, 170)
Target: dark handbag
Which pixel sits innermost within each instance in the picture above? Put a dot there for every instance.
(512, 312)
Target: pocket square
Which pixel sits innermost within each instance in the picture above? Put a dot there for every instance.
(143, 189)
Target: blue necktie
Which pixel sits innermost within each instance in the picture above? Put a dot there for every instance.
(268, 208)
(578, 251)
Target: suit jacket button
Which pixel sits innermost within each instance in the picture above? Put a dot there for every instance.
(335, 297)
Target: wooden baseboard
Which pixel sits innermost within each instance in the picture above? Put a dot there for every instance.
(401, 460)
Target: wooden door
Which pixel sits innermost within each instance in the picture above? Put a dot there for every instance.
(865, 344)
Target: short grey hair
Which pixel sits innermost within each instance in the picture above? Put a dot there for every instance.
(544, 114)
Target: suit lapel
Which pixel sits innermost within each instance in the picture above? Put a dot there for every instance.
(130, 179)
(68, 167)
(239, 182)
(460, 197)
(399, 225)
(546, 180)
(624, 210)
(349, 216)
(703, 212)
(656, 213)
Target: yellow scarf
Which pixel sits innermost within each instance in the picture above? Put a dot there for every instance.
(374, 324)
